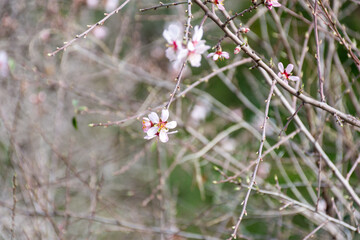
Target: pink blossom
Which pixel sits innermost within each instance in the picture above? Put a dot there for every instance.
(219, 4)
(154, 126)
(196, 47)
(219, 54)
(272, 3)
(285, 74)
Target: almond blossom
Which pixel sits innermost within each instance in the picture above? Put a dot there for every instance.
(154, 126)
(219, 54)
(272, 3)
(285, 74)
(219, 4)
(173, 35)
(196, 47)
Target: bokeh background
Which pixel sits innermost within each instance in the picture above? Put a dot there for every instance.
(61, 179)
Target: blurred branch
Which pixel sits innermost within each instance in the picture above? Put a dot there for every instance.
(91, 27)
(166, 5)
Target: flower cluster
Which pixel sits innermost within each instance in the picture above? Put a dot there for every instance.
(154, 126)
(285, 74)
(176, 52)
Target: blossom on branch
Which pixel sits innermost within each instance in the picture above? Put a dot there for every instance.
(272, 3)
(219, 4)
(196, 47)
(285, 74)
(219, 54)
(154, 126)
(244, 30)
(173, 35)
(237, 49)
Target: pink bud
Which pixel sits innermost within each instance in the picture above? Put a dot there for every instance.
(237, 50)
(244, 30)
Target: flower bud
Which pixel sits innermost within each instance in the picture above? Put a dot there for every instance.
(244, 30)
(237, 49)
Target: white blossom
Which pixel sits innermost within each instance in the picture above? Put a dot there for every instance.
(154, 126)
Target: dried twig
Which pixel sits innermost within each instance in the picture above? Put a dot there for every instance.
(259, 159)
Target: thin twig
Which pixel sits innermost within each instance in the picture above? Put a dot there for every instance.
(321, 79)
(353, 168)
(177, 86)
(319, 185)
(188, 22)
(341, 39)
(91, 27)
(161, 5)
(291, 118)
(250, 9)
(259, 159)
(13, 209)
(310, 235)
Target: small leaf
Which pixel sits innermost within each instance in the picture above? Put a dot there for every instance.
(74, 123)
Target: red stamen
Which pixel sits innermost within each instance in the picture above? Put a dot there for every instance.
(175, 46)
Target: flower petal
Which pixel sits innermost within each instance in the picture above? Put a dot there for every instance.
(289, 68)
(164, 115)
(198, 33)
(149, 137)
(281, 67)
(171, 125)
(216, 57)
(226, 55)
(152, 131)
(191, 46)
(210, 55)
(220, 7)
(171, 54)
(280, 75)
(172, 33)
(275, 3)
(195, 60)
(294, 78)
(163, 136)
(153, 117)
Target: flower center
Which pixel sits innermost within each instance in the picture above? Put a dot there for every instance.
(175, 46)
(286, 74)
(161, 125)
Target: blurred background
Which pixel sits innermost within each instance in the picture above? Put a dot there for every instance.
(61, 179)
